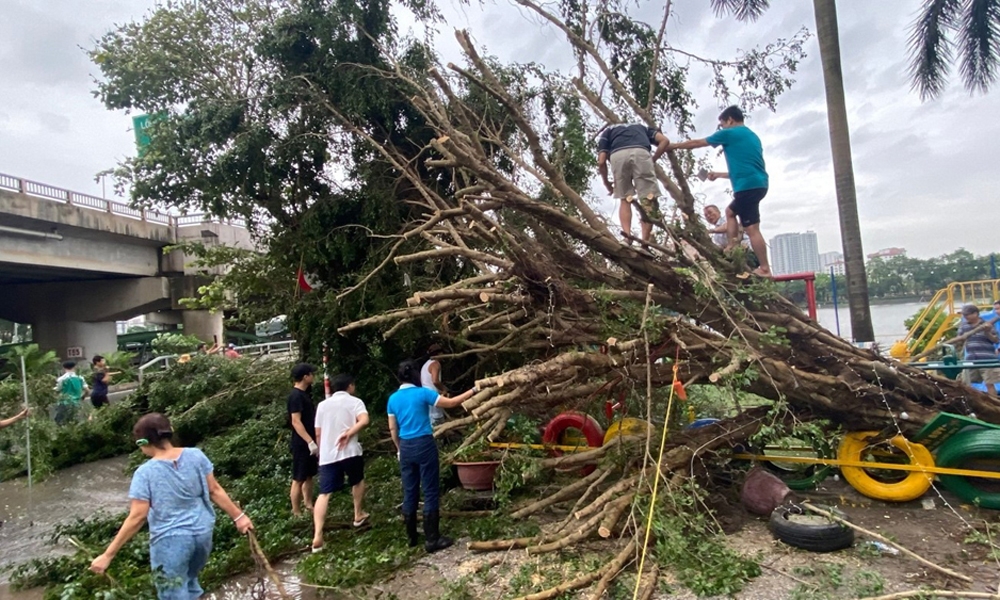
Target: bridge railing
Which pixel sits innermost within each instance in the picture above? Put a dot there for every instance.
(81, 200)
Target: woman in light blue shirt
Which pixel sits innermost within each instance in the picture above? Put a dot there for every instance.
(410, 426)
(174, 492)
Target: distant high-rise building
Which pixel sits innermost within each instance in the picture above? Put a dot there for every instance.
(887, 253)
(794, 253)
(834, 260)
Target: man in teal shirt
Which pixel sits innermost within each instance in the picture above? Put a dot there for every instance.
(745, 159)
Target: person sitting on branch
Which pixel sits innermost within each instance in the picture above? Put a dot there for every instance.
(745, 159)
(633, 170)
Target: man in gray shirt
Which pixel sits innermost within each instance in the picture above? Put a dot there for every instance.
(633, 170)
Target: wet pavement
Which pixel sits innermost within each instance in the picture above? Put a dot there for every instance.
(30, 515)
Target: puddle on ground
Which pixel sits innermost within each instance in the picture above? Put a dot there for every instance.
(30, 515)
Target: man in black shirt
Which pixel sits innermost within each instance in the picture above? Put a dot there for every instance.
(633, 170)
(305, 452)
(101, 381)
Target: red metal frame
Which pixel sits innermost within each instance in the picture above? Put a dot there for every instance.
(810, 279)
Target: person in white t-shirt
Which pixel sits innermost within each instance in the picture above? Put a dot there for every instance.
(339, 419)
(430, 377)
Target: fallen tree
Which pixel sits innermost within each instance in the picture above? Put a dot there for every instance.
(551, 272)
(503, 254)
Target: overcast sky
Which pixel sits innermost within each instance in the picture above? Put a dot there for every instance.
(925, 179)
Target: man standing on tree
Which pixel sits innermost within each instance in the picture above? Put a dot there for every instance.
(633, 170)
(305, 451)
(745, 159)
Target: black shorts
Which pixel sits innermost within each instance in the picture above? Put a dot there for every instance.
(304, 465)
(99, 400)
(331, 476)
(746, 205)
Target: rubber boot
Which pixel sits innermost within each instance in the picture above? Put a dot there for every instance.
(411, 528)
(434, 541)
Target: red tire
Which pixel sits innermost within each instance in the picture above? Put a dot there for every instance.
(586, 424)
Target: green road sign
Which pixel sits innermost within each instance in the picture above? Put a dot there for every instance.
(139, 125)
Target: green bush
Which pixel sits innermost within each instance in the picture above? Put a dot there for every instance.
(174, 343)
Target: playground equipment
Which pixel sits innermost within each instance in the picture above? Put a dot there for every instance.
(943, 313)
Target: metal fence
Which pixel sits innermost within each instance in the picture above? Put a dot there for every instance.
(80, 200)
(282, 349)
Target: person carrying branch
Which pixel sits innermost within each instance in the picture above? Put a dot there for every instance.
(173, 491)
(981, 345)
(626, 147)
(745, 159)
(410, 426)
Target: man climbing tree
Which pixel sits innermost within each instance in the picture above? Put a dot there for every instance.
(745, 159)
(634, 174)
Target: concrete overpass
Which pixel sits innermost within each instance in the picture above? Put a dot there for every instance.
(72, 264)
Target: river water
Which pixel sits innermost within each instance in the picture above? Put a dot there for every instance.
(887, 320)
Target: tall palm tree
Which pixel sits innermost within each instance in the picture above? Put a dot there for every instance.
(840, 144)
(976, 24)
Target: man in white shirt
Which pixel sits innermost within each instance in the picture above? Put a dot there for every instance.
(339, 419)
(430, 377)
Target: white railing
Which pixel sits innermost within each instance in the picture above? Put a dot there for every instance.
(80, 200)
(283, 347)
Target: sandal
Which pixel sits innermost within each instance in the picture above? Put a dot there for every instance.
(361, 522)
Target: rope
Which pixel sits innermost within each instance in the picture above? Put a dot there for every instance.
(656, 484)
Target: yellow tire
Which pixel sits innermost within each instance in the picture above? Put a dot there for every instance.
(626, 426)
(899, 486)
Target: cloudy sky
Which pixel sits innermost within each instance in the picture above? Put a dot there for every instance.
(924, 174)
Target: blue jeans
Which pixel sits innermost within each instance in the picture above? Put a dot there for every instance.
(418, 464)
(181, 557)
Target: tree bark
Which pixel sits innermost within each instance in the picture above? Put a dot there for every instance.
(843, 169)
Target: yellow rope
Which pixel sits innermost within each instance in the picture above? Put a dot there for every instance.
(656, 485)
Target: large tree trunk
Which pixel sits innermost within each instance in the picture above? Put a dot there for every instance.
(843, 169)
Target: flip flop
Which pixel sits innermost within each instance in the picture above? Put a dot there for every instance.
(361, 522)
(316, 550)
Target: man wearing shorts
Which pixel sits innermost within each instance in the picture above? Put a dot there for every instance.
(745, 159)
(302, 420)
(339, 419)
(979, 346)
(633, 170)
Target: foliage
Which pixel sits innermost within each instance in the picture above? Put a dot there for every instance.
(688, 540)
(174, 343)
(36, 362)
(898, 277)
(976, 25)
(827, 581)
(123, 363)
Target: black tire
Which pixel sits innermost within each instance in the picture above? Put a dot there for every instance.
(798, 527)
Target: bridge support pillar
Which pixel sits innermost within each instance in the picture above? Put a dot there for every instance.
(204, 325)
(88, 338)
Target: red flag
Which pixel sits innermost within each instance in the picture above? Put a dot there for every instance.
(307, 281)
